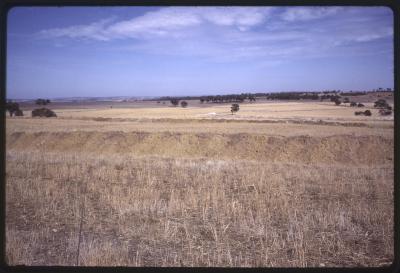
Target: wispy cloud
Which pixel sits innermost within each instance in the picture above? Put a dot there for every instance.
(233, 33)
(94, 31)
(164, 22)
(308, 13)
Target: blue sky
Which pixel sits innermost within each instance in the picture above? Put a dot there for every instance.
(158, 51)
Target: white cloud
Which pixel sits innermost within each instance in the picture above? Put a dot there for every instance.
(156, 23)
(235, 16)
(308, 13)
(92, 31)
(164, 22)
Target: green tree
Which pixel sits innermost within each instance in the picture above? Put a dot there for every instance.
(338, 102)
(174, 102)
(234, 108)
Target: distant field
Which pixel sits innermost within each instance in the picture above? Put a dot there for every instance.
(145, 184)
(248, 111)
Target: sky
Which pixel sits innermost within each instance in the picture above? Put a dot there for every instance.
(58, 52)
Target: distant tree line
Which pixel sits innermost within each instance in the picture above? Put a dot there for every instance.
(353, 93)
(332, 95)
(214, 99)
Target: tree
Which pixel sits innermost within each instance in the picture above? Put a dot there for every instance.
(13, 108)
(360, 105)
(334, 98)
(184, 104)
(174, 102)
(19, 113)
(346, 100)
(337, 102)
(353, 104)
(42, 102)
(367, 113)
(234, 108)
(201, 100)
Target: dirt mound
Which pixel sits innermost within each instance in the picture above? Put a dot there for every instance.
(224, 120)
(343, 149)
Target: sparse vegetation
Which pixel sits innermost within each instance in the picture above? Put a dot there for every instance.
(208, 205)
(353, 104)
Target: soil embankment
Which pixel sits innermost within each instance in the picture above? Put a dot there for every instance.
(337, 149)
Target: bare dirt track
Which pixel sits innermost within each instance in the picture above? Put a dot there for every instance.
(177, 187)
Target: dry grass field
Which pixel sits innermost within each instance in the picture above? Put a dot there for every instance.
(294, 184)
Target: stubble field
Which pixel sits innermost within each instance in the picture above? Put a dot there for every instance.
(275, 185)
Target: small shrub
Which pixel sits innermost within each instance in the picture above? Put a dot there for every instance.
(360, 105)
(385, 112)
(338, 102)
(363, 113)
(346, 100)
(353, 104)
(43, 112)
(381, 103)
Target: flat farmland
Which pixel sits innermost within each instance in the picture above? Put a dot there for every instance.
(248, 111)
(144, 184)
